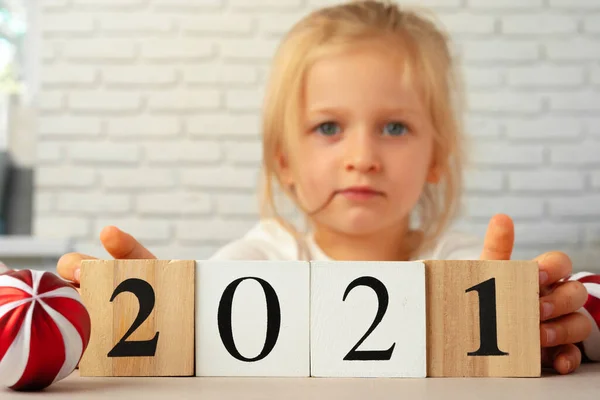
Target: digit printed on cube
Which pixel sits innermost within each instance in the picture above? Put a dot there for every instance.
(139, 309)
(252, 318)
(368, 319)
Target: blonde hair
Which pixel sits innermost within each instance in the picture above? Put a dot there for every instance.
(430, 62)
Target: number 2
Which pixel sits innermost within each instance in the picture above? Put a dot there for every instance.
(146, 298)
(383, 299)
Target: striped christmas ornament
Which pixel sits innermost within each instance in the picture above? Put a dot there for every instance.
(591, 308)
(44, 329)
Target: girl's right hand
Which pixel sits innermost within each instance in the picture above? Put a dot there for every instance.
(119, 245)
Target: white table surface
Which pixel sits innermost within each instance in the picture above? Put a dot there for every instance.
(582, 384)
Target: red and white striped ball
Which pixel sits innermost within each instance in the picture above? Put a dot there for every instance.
(44, 329)
(591, 308)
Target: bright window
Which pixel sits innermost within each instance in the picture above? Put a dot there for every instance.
(13, 26)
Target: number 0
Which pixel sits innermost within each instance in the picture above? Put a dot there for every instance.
(273, 319)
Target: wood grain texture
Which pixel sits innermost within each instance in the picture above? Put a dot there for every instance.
(172, 316)
(453, 318)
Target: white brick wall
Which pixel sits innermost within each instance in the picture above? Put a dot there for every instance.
(149, 118)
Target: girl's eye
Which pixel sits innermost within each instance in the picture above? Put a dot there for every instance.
(328, 128)
(396, 128)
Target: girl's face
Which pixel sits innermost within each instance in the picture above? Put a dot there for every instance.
(364, 151)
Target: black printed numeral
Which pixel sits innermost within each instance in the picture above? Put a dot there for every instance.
(383, 300)
(273, 319)
(488, 331)
(146, 299)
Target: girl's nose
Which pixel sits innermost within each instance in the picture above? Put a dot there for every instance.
(362, 154)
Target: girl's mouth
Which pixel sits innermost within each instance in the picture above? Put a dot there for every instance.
(360, 193)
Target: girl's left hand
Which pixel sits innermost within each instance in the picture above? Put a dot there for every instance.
(561, 325)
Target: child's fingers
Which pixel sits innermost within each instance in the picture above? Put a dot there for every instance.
(566, 298)
(571, 328)
(122, 245)
(564, 358)
(119, 244)
(69, 263)
(499, 239)
(554, 266)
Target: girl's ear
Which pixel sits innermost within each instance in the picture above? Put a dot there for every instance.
(434, 174)
(283, 168)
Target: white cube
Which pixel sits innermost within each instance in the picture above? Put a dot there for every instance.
(252, 318)
(368, 319)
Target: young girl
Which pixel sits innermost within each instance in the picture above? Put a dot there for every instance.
(362, 132)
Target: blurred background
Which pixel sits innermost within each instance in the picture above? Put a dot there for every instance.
(145, 114)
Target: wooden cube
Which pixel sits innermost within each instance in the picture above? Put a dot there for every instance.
(252, 318)
(483, 318)
(368, 319)
(142, 314)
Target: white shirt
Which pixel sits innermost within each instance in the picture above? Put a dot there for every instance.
(3, 268)
(268, 240)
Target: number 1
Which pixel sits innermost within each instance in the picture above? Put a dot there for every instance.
(488, 332)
